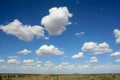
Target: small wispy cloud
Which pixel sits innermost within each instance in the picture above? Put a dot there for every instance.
(28, 61)
(93, 59)
(64, 57)
(13, 61)
(79, 33)
(2, 60)
(46, 38)
(13, 57)
(117, 61)
(24, 52)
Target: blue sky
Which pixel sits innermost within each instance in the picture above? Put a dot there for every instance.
(60, 36)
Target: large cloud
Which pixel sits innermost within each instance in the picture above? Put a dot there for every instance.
(46, 50)
(96, 48)
(77, 56)
(25, 52)
(117, 35)
(23, 32)
(117, 54)
(56, 21)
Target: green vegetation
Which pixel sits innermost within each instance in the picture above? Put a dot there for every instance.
(60, 77)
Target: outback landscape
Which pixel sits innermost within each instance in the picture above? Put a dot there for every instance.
(59, 76)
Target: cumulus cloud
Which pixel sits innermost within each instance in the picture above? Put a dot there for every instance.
(24, 52)
(32, 63)
(13, 61)
(64, 66)
(117, 35)
(93, 59)
(117, 54)
(23, 32)
(61, 68)
(46, 50)
(2, 60)
(96, 48)
(77, 56)
(28, 61)
(56, 21)
(79, 33)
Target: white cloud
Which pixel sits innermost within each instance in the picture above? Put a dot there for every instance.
(64, 57)
(13, 61)
(77, 56)
(25, 52)
(56, 21)
(28, 61)
(117, 61)
(2, 60)
(117, 35)
(46, 50)
(107, 68)
(64, 66)
(3, 66)
(23, 32)
(96, 48)
(49, 64)
(32, 63)
(13, 57)
(115, 54)
(61, 68)
(79, 33)
(38, 62)
(93, 59)
(46, 38)
(86, 66)
(38, 65)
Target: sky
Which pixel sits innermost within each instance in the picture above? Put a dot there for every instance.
(59, 36)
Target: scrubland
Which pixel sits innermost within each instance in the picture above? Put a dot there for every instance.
(59, 76)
